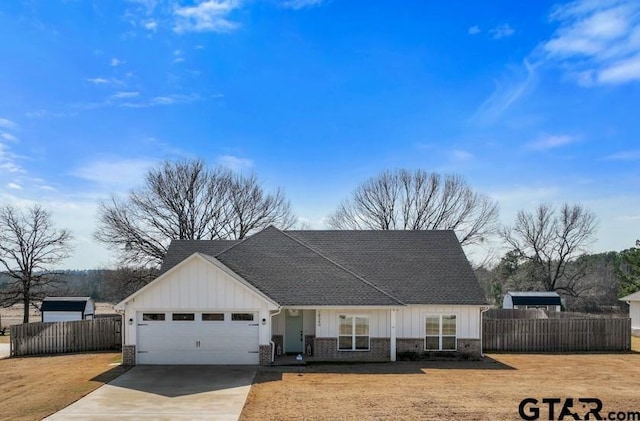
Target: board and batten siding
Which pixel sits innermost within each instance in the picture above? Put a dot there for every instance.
(327, 322)
(196, 286)
(410, 320)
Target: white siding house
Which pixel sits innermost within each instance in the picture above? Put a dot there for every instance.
(320, 293)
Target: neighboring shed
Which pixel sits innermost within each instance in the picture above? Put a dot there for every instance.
(634, 309)
(65, 309)
(546, 300)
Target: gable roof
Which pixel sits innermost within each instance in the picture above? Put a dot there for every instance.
(64, 304)
(416, 267)
(631, 297)
(181, 249)
(346, 267)
(535, 298)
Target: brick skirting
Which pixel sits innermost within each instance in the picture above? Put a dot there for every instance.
(265, 355)
(128, 355)
(469, 347)
(327, 348)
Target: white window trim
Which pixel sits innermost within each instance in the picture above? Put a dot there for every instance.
(440, 335)
(353, 333)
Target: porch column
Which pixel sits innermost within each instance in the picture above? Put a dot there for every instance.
(393, 335)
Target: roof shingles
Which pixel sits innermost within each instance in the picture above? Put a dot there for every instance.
(347, 268)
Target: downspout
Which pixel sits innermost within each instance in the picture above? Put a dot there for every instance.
(273, 345)
(482, 311)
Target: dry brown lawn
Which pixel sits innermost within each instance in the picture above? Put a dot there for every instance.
(32, 388)
(482, 390)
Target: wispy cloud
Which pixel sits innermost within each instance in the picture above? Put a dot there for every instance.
(551, 142)
(7, 124)
(9, 137)
(114, 173)
(474, 30)
(301, 4)
(461, 155)
(115, 62)
(163, 100)
(632, 155)
(122, 95)
(105, 81)
(14, 186)
(206, 16)
(235, 163)
(597, 42)
(501, 31)
(507, 91)
(178, 56)
(151, 25)
(47, 113)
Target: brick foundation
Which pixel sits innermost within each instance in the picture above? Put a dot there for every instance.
(327, 348)
(265, 355)
(128, 355)
(470, 347)
(410, 345)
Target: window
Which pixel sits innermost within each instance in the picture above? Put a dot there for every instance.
(440, 333)
(183, 317)
(242, 317)
(353, 333)
(213, 317)
(153, 317)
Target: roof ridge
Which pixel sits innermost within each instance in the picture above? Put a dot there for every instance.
(341, 266)
(242, 240)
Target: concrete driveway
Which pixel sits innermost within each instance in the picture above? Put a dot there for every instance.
(167, 393)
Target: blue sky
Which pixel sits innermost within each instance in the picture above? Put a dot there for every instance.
(531, 101)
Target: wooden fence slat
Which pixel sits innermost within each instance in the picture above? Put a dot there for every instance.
(62, 337)
(556, 334)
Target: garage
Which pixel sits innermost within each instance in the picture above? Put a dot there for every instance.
(205, 337)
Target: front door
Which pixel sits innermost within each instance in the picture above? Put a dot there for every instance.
(293, 331)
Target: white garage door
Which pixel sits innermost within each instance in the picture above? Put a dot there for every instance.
(197, 338)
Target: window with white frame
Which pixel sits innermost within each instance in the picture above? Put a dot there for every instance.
(440, 333)
(353, 333)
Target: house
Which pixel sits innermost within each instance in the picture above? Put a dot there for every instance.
(634, 309)
(65, 309)
(546, 300)
(336, 295)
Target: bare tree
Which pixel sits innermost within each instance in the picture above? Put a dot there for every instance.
(29, 246)
(186, 201)
(552, 240)
(418, 200)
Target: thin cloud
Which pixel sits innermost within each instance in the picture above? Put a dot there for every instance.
(207, 16)
(501, 31)
(163, 100)
(9, 137)
(151, 25)
(632, 155)
(115, 62)
(301, 4)
(596, 42)
(507, 92)
(551, 142)
(461, 155)
(7, 124)
(121, 95)
(14, 186)
(474, 30)
(116, 173)
(235, 163)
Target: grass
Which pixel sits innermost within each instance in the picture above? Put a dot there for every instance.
(35, 387)
(441, 390)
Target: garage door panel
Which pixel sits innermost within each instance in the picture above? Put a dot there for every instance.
(197, 342)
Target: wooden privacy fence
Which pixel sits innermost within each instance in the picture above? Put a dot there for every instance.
(556, 335)
(63, 337)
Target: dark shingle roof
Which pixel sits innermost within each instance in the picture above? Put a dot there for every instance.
(346, 267)
(181, 249)
(292, 274)
(64, 304)
(417, 267)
